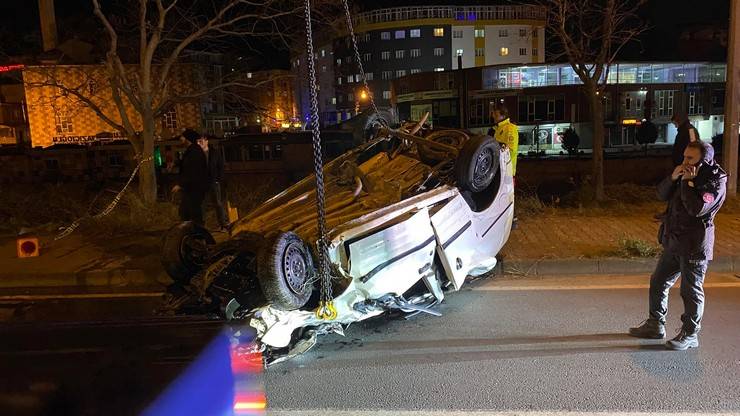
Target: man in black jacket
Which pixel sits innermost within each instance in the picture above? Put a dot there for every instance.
(686, 134)
(215, 162)
(194, 179)
(695, 191)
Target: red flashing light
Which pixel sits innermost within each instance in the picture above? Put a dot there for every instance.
(8, 68)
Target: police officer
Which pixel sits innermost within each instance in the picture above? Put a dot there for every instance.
(695, 192)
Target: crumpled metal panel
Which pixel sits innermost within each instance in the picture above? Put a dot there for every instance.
(456, 239)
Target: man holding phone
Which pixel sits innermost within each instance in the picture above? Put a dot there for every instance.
(695, 191)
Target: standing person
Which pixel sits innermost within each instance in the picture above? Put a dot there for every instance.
(686, 134)
(506, 132)
(193, 179)
(695, 192)
(215, 161)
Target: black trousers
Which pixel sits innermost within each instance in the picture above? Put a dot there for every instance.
(191, 207)
(666, 273)
(218, 204)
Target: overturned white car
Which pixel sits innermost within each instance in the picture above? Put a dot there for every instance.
(409, 215)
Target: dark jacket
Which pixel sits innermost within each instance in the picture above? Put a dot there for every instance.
(194, 177)
(688, 226)
(215, 164)
(683, 137)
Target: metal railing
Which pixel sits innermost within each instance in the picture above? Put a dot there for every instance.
(458, 13)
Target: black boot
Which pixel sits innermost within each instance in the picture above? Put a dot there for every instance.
(683, 341)
(650, 329)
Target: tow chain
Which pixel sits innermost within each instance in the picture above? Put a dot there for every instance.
(351, 29)
(67, 231)
(326, 309)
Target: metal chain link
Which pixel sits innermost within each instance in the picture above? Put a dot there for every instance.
(351, 29)
(326, 291)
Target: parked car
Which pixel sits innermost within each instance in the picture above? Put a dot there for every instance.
(410, 215)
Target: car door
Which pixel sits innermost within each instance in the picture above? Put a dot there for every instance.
(456, 239)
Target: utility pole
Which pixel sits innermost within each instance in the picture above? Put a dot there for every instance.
(48, 24)
(732, 100)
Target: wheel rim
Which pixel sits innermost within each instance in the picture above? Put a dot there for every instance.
(483, 170)
(294, 268)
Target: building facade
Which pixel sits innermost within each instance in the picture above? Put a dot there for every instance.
(546, 100)
(269, 103)
(400, 41)
(57, 116)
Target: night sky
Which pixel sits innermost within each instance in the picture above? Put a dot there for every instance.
(667, 18)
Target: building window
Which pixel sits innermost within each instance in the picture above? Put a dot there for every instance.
(480, 52)
(522, 51)
(400, 73)
(439, 51)
(323, 53)
(457, 34)
(522, 33)
(334, 100)
(458, 52)
(664, 101)
(400, 34)
(439, 69)
(350, 78)
(367, 57)
(439, 32)
(385, 35)
(339, 61)
(415, 33)
(387, 95)
(400, 54)
(503, 33)
(504, 51)
(535, 52)
(387, 75)
(480, 33)
(63, 123)
(415, 70)
(323, 68)
(350, 97)
(628, 103)
(169, 119)
(535, 33)
(415, 53)
(366, 36)
(385, 55)
(368, 76)
(339, 81)
(348, 59)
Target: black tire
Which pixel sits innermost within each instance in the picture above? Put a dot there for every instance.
(477, 164)
(432, 156)
(184, 250)
(284, 268)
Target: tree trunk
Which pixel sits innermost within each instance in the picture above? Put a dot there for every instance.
(597, 115)
(147, 175)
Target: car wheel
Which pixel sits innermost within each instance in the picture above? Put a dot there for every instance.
(477, 164)
(432, 156)
(285, 271)
(185, 250)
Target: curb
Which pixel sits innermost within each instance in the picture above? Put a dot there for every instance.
(722, 264)
(96, 278)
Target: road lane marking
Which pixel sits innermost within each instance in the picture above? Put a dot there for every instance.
(82, 296)
(322, 412)
(545, 287)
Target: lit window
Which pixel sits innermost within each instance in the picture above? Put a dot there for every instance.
(63, 123)
(415, 70)
(323, 53)
(385, 35)
(385, 55)
(339, 81)
(400, 73)
(439, 32)
(480, 33)
(457, 34)
(504, 51)
(400, 54)
(350, 78)
(458, 52)
(415, 33)
(502, 33)
(439, 69)
(169, 119)
(439, 51)
(415, 53)
(334, 100)
(480, 52)
(368, 76)
(387, 74)
(387, 95)
(522, 51)
(339, 61)
(400, 34)
(523, 33)
(367, 57)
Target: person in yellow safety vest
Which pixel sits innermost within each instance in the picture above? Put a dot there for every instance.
(506, 132)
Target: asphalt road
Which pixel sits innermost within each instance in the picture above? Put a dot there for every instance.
(529, 346)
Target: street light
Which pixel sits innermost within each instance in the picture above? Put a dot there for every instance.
(363, 95)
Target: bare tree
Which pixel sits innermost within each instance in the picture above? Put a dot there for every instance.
(589, 34)
(143, 55)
